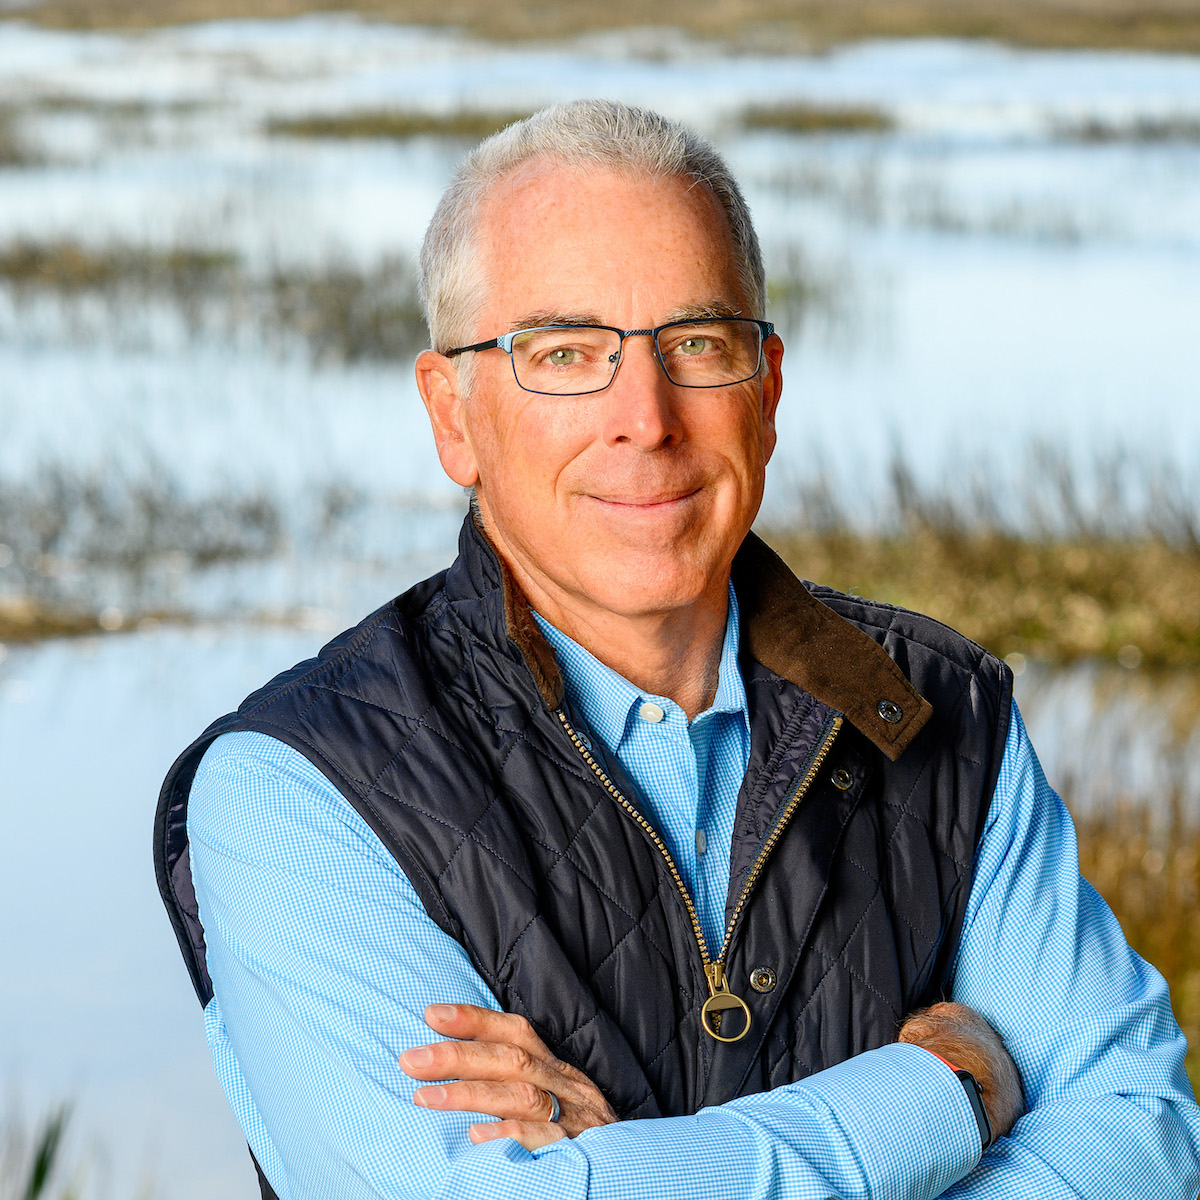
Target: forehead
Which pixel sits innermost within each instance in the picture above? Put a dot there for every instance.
(619, 248)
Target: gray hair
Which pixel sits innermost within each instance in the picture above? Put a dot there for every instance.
(583, 133)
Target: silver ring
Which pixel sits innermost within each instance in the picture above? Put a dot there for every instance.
(555, 1107)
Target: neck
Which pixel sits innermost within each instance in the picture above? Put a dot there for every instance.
(677, 654)
(674, 653)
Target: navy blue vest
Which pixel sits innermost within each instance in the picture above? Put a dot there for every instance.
(876, 741)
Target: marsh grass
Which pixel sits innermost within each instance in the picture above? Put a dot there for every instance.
(397, 124)
(69, 267)
(340, 311)
(1148, 130)
(1058, 600)
(783, 26)
(1066, 564)
(77, 549)
(13, 150)
(348, 314)
(815, 118)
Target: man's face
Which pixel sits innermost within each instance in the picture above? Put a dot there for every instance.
(630, 501)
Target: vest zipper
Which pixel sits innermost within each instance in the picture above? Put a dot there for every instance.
(720, 997)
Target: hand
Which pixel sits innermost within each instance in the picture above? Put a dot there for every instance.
(502, 1068)
(962, 1037)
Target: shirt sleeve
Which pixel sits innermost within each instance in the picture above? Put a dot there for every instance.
(1110, 1111)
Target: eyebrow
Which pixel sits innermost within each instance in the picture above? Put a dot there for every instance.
(711, 310)
(535, 320)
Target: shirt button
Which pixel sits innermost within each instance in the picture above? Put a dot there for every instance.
(651, 712)
(701, 842)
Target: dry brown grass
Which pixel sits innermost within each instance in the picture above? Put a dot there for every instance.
(397, 124)
(818, 118)
(25, 620)
(1148, 872)
(1050, 600)
(72, 267)
(769, 25)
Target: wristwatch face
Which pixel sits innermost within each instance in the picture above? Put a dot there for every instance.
(975, 1099)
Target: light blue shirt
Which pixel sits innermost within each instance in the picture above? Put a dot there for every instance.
(688, 773)
(323, 960)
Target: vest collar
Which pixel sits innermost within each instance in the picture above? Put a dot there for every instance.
(783, 626)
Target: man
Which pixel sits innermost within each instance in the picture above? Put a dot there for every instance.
(661, 844)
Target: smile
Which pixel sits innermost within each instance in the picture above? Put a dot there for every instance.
(658, 500)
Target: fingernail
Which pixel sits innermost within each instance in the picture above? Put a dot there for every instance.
(440, 1012)
(429, 1097)
(422, 1056)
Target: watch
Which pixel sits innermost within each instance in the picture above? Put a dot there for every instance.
(975, 1099)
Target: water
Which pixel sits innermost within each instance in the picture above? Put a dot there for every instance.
(981, 282)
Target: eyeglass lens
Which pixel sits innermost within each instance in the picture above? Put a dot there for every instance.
(571, 360)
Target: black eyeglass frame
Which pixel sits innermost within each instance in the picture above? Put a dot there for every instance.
(505, 342)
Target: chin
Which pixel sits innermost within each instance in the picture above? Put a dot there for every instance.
(637, 586)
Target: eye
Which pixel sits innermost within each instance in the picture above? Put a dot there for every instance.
(693, 345)
(562, 356)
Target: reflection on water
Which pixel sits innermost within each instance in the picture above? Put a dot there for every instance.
(1113, 737)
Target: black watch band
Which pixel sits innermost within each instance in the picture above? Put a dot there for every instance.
(975, 1099)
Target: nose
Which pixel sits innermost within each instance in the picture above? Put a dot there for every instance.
(643, 404)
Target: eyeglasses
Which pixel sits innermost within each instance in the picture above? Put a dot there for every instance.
(573, 360)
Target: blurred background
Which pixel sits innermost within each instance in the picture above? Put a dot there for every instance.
(982, 230)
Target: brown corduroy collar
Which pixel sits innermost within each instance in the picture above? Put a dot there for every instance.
(789, 631)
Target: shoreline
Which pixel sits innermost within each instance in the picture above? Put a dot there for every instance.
(779, 26)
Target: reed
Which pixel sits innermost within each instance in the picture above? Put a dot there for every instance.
(32, 1160)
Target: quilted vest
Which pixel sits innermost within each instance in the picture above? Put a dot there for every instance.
(876, 738)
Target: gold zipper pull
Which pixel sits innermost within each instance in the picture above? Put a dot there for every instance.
(719, 1001)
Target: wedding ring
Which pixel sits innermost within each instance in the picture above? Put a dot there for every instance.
(555, 1107)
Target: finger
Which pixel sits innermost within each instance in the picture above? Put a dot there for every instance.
(508, 1101)
(531, 1134)
(470, 1021)
(492, 1061)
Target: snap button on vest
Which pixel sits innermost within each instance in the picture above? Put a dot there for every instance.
(891, 713)
(842, 779)
(762, 979)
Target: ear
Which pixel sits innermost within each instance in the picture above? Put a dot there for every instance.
(437, 381)
(772, 389)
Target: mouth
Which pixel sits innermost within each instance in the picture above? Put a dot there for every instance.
(647, 502)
